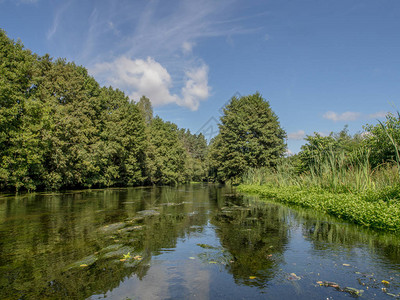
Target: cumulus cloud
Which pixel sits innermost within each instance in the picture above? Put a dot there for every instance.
(346, 116)
(352, 116)
(148, 77)
(196, 87)
(298, 135)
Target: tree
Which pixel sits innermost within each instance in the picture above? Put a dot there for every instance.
(384, 139)
(196, 149)
(146, 109)
(166, 154)
(20, 113)
(250, 137)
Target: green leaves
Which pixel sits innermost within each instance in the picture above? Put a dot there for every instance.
(59, 129)
(250, 136)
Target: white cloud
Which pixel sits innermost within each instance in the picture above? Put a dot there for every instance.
(57, 18)
(289, 152)
(187, 47)
(114, 35)
(298, 135)
(148, 77)
(346, 116)
(196, 87)
(352, 116)
(379, 114)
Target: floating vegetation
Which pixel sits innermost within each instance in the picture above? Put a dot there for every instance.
(352, 291)
(148, 213)
(171, 204)
(205, 246)
(216, 256)
(293, 276)
(112, 227)
(111, 248)
(84, 262)
(119, 252)
(378, 214)
(130, 229)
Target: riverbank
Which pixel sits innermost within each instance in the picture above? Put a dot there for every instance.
(375, 209)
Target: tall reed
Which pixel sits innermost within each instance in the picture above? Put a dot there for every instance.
(336, 171)
(393, 141)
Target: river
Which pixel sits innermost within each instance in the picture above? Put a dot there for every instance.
(196, 241)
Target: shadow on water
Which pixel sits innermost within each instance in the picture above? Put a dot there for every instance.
(193, 241)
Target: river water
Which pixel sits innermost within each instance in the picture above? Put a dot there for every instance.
(189, 242)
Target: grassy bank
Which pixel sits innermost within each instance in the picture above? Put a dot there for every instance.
(379, 209)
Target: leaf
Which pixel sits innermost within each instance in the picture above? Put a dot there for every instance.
(252, 277)
(83, 265)
(192, 257)
(346, 265)
(385, 282)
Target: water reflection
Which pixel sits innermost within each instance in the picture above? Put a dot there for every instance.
(195, 241)
(255, 235)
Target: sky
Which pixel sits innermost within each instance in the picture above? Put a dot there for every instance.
(320, 64)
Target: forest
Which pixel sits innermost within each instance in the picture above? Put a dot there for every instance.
(59, 129)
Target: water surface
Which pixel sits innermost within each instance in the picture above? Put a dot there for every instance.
(188, 242)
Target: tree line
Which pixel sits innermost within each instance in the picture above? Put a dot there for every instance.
(59, 129)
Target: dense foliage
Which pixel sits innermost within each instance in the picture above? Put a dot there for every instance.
(384, 139)
(352, 177)
(60, 129)
(378, 214)
(249, 136)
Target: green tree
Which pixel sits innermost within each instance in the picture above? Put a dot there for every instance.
(321, 149)
(120, 151)
(70, 97)
(20, 117)
(250, 137)
(384, 140)
(146, 109)
(166, 157)
(196, 150)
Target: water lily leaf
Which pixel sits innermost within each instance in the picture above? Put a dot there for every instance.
(205, 246)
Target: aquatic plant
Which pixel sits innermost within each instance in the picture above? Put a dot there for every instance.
(367, 209)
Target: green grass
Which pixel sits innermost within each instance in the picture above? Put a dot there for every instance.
(340, 184)
(375, 209)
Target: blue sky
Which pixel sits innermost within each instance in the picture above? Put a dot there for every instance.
(320, 64)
